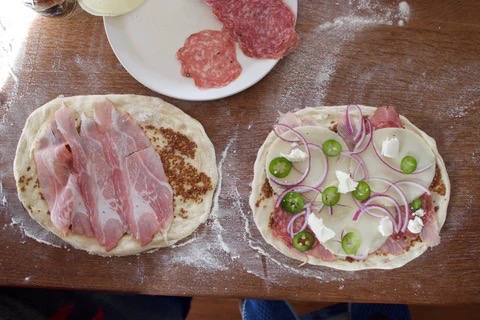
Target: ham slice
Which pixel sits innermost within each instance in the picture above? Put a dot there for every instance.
(138, 174)
(94, 177)
(278, 223)
(59, 188)
(430, 232)
(393, 246)
(386, 117)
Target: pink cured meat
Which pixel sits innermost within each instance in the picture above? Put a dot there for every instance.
(222, 10)
(264, 28)
(210, 59)
(394, 247)
(386, 117)
(138, 176)
(58, 186)
(430, 232)
(279, 230)
(94, 177)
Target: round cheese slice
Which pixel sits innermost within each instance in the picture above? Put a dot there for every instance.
(410, 144)
(341, 223)
(109, 8)
(315, 135)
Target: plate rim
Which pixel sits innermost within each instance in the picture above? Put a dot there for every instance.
(220, 94)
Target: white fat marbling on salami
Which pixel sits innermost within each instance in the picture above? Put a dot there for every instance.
(411, 144)
(315, 135)
(341, 222)
(110, 7)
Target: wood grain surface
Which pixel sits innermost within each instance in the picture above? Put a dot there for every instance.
(351, 52)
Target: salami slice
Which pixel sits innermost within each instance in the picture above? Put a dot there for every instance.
(222, 10)
(264, 29)
(209, 58)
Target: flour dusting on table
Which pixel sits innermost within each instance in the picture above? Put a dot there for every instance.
(323, 45)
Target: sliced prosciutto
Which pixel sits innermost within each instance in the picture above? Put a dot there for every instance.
(430, 232)
(137, 171)
(59, 188)
(279, 221)
(210, 59)
(94, 177)
(386, 117)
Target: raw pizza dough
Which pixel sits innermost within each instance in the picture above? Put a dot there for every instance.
(146, 111)
(326, 117)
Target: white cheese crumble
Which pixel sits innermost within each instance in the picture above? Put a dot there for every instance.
(415, 225)
(419, 213)
(390, 147)
(345, 182)
(385, 227)
(322, 233)
(296, 155)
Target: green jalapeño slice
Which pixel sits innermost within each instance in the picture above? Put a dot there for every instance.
(332, 148)
(293, 202)
(408, 164)
(280, 167)
(351, 242)
(330, 196)
(303, 241)
(362, 191)
(416, 204)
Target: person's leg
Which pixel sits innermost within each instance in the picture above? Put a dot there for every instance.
(17, 303)
(267, 310)
(376, 311)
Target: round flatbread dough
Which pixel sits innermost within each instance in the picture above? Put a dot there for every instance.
(262, 200)
(152, 114)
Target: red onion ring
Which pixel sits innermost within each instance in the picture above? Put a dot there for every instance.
(391, 199)
(359, 162)
(402, 195)
(378, 216)
(362, 137)
(299, 189)
(322, 178)
(377, 207)
(415, 184)
(370, 139)
(292, 220)
(349, 121)
(307, 214)
(307, 150)
(395, 169)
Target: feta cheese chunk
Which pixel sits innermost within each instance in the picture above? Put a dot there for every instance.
(415, 225)
(322, 233)
(385, 227)
(419, 213)
(345, 182)
(390, 147)
(296, 155)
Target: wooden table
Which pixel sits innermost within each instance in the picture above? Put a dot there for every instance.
(429, 68)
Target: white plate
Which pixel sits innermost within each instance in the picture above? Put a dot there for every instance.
(146, 40)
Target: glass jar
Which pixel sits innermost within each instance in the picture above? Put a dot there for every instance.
(52, 8)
